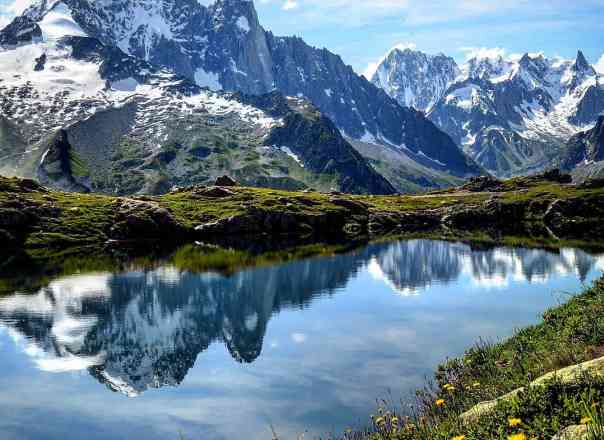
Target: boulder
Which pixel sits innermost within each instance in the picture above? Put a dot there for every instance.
(226, 181)
(575, 432)
(141, 220)
(482, 184)
(566, 376)
(353, 206)
(215, 192)
(12, 218)
(556, 175)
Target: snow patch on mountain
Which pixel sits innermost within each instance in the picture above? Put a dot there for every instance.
(210, 80)
(58, 22)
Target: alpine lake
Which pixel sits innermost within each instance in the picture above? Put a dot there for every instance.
(174, 347)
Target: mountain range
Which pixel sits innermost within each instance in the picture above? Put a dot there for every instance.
(513, 115)
(137, 96)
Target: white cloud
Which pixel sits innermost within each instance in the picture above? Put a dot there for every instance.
(299, 338)
(600, 65)
(483, 52)
(290, 4)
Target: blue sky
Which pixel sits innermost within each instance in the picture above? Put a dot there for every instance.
(361, 31)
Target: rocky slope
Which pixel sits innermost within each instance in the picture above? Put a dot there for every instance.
(512, 115)
(83, 116)
(585, 152)
(224, 47)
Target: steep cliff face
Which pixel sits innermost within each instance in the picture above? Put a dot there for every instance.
(585, 152)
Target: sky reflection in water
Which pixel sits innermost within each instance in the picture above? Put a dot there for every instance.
(307, 345)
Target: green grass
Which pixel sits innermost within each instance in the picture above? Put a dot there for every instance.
(88, 217)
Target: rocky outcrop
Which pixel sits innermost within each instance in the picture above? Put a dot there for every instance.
(482, 184)
(226, 181)
(573, 218)
(59, 164)
(320, 146)
(20, 31)
(566, 376)
(585, 147)
(141, 220)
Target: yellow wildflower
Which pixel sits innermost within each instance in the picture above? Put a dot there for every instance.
(459, 437)
(476, 384)
(586, 420)
(440, 402)
(520, 436)
(514, 422)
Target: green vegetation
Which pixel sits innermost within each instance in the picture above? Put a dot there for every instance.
(54, 218)
(531, 404)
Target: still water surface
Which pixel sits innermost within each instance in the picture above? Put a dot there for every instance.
(304, 346)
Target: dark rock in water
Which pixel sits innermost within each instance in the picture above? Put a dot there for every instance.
(483, 183)
(491, 214)
(226, 181)
(40, 63)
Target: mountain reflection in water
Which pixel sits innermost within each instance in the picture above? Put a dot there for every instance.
(139, 330)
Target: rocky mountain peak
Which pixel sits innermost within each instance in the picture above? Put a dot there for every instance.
(581, 64)
(239, 13)
(415, 79)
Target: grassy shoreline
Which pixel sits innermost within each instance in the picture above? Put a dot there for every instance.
(546, 378)
(34, 217)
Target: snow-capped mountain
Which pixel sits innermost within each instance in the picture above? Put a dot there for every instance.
(82, 115)
(224, 48)
(513, 115)
(414, 78)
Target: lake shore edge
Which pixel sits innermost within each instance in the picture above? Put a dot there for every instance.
(544, 382)
(538, 209)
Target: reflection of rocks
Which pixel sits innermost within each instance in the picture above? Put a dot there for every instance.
(139, 330)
